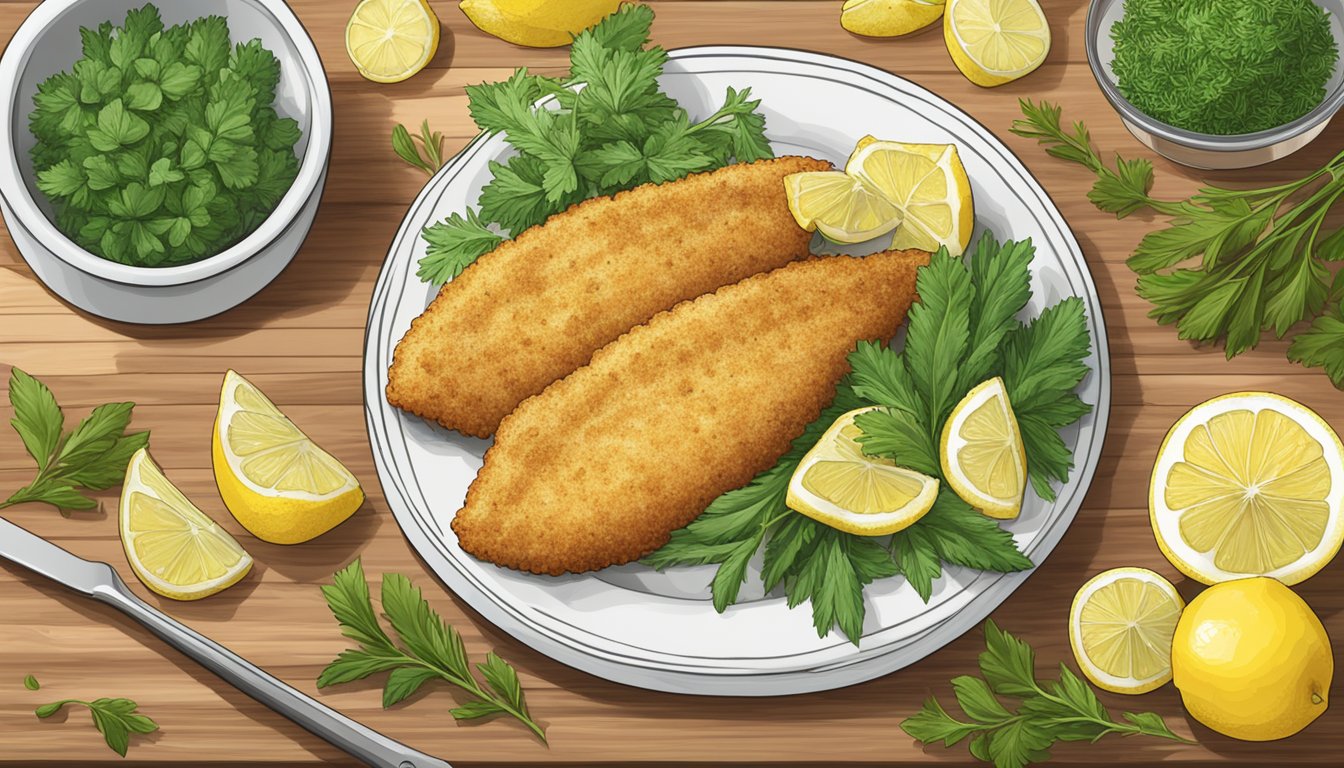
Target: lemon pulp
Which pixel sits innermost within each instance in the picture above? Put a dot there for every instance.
(837, 484)
(1247, 485)
(841, 207)
(928, 186)
(982, 454)
(1121, 626)
(994, 42)
(173, 547)
(390, 40)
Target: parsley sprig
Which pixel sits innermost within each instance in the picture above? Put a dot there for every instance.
(1231, 264)
(1064, 710)
(429, 649)
(423, 150)
(116, 719)
(963, 330)
(610, 127)
(91, 457)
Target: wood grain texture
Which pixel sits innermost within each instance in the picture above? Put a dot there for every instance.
(301, 340)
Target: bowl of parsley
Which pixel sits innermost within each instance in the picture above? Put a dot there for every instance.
(1217, 84)
(161, 165)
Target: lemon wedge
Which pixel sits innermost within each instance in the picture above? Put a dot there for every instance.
(928, 186)
(994, 42)
(537, 23)
(390, 40)
(171, 545)
(1249, 484)
(837, 484)
(889, 18)
(1121, 625)
(275, 481)
(982, 454)
(839, 206)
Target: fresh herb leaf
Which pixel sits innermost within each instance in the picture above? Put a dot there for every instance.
(31, 683)
(1230, 264)
(91, 457)
(429, 649)
(427, 155)
(148, 114)
(116, 719)
(827, 568)
(616, 132)
(1066, 710)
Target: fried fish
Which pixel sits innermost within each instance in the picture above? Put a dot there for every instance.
(537, 307)
(603, 465)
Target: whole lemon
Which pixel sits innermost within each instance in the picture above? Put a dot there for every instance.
(1252, 660)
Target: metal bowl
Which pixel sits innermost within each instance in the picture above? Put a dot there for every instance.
(47, 42)
(1203, 150)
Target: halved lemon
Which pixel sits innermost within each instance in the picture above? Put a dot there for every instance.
(1249, 484)
(994, 42)
(390, 40)
(842, 208)
(171, 545)
(928, 186)
(837, 484)
(536, 23)
(889, 18)
(982, 454)
(275, 481)
(1121, 625)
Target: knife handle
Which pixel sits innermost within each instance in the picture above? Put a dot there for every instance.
(322, 721)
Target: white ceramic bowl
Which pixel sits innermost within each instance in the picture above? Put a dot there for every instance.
(48, 42)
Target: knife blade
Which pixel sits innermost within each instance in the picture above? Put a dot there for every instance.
(100, 581)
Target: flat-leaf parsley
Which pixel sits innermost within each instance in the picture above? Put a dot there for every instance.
(161, 146)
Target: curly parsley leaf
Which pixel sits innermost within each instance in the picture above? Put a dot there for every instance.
(116, 719)
(429, 649)
(616, 132)
(91, 457)
(1063, 710)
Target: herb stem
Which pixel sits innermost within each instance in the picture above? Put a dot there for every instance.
(474, 688)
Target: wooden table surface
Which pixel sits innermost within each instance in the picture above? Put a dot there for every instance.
(301, 341)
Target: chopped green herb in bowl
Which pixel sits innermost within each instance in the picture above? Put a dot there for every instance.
(1224, 68)
(161, 145)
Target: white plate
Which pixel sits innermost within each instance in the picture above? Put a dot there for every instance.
(636, 626)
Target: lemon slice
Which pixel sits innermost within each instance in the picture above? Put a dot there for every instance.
(838, 485)
(889, 18)
(1249, 484)
(982, 454)
(171, 545)
(840, 207)
(994, 42)
(1121, 626)
(275, 481)
(536, 23)
(390, 40)
(929, 187)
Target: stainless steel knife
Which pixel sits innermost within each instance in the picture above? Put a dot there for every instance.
(100, 582)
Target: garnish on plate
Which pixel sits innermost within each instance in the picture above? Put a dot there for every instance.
(429, 649)
(427, 155)
(618, 131)
(1066, 710)
(162, 146)
(1230, 264)
(116, 719)
(1219, 67)
(92, 457)
(962, 331)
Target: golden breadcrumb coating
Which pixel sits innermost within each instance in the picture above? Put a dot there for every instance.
(602, 466)
(537, 307)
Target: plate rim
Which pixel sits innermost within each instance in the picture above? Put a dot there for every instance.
(644, 673)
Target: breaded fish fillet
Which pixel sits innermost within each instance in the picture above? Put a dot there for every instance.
(602, 466)
(537, 307)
